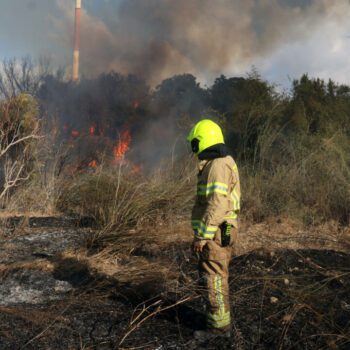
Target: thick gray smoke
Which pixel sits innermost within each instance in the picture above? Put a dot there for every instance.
(159, 38)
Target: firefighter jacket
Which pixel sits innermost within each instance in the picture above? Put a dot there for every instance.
(218, 196)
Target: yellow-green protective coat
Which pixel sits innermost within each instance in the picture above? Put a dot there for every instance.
(218, 196)
(217, 201)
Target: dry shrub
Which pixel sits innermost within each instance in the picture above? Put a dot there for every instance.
(35, 198)
(310, 181)
(38, 195)
(19, 132)
(119, 199)
(111, 198)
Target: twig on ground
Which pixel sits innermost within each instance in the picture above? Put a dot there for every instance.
(158, 310)
(47, 328)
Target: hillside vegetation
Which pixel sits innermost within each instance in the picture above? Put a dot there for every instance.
(293, 149)
(96, 189)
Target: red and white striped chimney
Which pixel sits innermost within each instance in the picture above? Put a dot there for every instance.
(76, 52)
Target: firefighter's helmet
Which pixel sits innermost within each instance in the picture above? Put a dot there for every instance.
(205, 134)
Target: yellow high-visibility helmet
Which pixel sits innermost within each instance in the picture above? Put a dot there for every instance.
(205, 134)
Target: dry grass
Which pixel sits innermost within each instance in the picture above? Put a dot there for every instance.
(146, 265)
(142, 245)
(39, 264)
(306, 179)
(286, 234)
(36, 317)
(119, 200)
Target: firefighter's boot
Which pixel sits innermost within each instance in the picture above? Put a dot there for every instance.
(208, 334)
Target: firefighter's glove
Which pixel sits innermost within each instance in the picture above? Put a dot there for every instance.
(198, 244)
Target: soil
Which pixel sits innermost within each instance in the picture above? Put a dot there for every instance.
(53, 297)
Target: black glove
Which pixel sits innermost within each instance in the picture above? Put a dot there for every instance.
(225, 234)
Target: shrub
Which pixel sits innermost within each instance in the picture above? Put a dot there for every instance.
(19, 133)
(118, 199)
(310, 182)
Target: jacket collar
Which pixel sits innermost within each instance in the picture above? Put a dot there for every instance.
(219, 150)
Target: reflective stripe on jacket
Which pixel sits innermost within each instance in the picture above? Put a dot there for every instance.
(218, 196)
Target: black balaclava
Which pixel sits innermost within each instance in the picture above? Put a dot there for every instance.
(219, 150)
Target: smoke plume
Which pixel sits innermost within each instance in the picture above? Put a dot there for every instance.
(156, 39)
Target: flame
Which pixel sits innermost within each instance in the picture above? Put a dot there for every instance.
(93, 164)
(123, 145)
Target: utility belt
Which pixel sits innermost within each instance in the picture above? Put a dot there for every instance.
(225, 229)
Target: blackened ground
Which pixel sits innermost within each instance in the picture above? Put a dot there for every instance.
(287, 299)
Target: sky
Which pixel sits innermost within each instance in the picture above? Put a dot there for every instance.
(159, 38)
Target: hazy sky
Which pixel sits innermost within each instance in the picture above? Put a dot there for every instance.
(159, 38)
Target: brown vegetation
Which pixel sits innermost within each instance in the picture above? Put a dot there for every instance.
(135, 273)
(19, 132)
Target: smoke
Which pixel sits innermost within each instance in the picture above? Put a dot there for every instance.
(156, 39)
(159, 38)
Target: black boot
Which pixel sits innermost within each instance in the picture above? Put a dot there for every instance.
(212, 333)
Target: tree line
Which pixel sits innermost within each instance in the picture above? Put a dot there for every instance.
(293, 147)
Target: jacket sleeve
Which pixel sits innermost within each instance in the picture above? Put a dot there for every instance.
(216, 192)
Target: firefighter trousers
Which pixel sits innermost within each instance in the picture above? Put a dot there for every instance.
(213, 269)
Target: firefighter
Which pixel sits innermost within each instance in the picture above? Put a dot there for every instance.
(214, 222)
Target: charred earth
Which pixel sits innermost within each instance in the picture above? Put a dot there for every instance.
(58, 291)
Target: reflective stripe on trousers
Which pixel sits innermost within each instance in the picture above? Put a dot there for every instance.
(222, 317)
(213, 267)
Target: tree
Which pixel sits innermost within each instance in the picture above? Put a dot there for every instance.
(180, 97)
(22, 76)
(246, 103)
(323, 107)
(19, 131)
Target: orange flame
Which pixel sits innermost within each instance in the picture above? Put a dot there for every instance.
(92, 130)
(123, 145)
(93, 164)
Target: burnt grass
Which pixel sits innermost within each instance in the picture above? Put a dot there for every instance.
(287, 299)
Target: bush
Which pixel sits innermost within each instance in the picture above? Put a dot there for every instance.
(118, 199)
(19, 133)
(311, 182)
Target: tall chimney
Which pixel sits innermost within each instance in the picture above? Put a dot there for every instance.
(75, 75)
